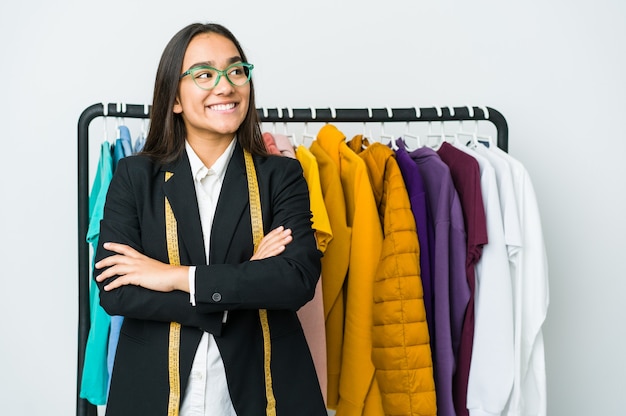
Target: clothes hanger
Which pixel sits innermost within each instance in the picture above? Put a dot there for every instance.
(365, 133)
(305, 132)
(407, 134)
(486, 140)
(119, 119)
(471, 139)
(143, 132)
(105, 115)
(290, 135)
(433, 140)
(280, 115)
(415, 138)
(450, 138)
(440, 137)
(384, 136)
(265, 116)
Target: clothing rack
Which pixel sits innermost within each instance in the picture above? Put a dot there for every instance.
(269, 115)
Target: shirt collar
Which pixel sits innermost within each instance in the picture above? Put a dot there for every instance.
(199, 171)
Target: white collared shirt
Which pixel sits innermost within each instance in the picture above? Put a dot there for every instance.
(207, 390)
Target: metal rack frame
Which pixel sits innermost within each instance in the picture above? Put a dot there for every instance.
(270, 115)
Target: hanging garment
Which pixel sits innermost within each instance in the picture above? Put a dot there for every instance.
(335, 264)
(284, 146)
(531, 293)
(139, 143)
(123, 145)
(95, 376)
(359, 393)
(321, 221)
(311, 315)
(270, 144)
(123, 148)
(424, 225)
(491, 369)
(508, 203)
(400, 340)
(466, 177)
(451, 292)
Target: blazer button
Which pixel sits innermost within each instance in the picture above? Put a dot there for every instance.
(216, 297)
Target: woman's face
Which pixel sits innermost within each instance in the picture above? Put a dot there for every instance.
(216, 113)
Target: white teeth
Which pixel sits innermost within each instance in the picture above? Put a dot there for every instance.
(222, 107)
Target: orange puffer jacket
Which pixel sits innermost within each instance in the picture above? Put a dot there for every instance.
(400, 341)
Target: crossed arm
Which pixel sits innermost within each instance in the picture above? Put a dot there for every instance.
(134, 268)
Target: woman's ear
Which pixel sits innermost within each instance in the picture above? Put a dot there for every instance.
(178, 108)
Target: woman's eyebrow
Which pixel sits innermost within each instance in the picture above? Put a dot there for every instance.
(212, 63)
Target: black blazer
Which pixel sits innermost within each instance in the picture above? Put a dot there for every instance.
(134, 214)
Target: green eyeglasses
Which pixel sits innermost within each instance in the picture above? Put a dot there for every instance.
(207, 77)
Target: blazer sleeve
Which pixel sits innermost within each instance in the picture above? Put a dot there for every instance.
(286, 281)
(122, 223)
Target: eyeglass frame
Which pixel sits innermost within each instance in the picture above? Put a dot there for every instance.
(248, 66)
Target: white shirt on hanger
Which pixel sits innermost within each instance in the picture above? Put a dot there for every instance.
(529, 396)
(508, 202)
(491, 369)
(207, 390)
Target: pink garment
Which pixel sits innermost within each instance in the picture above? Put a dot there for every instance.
(270, 144)
(284, 145)
(312, 319)
(311, 315)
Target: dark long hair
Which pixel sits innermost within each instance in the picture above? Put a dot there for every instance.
(166, 137)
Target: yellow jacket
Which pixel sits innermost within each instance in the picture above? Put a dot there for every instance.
(334, 268)
(401, 348)
(357, 386)
(312, 316)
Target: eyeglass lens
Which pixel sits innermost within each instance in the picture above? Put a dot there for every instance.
(207, 77)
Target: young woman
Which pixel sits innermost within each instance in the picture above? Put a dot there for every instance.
(177, 257)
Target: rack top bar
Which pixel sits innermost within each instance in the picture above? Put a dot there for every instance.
(330, 115)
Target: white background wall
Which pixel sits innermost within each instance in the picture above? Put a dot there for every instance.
(555, 69)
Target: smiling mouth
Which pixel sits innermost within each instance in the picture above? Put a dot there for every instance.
(222, 107)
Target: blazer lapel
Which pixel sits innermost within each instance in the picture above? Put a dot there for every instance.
(230, 207)
(181, 193)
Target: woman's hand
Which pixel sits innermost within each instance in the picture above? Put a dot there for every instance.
(134, 268)
(273, 243)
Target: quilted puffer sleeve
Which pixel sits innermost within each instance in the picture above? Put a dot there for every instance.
(401, 348)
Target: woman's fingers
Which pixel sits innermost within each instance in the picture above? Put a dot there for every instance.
(273, 243)
(130, 267)
(123, 249)
(119, 264)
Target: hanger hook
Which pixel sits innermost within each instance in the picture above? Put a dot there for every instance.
(418, 112)
(104, 126)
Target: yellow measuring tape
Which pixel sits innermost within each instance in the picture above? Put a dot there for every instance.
(174, 258)
(173, 255)
(257, 235)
